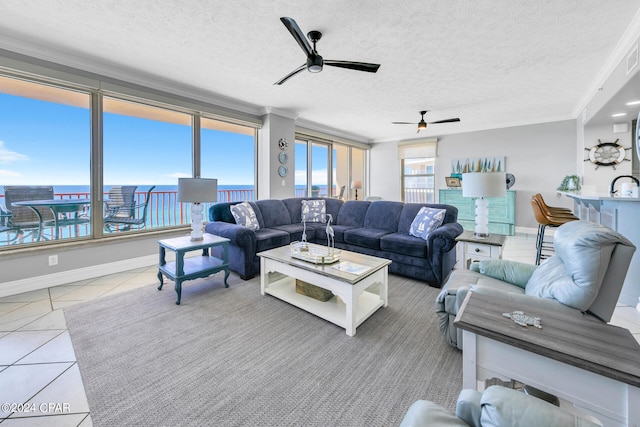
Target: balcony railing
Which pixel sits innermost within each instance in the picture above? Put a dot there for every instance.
(163, 210)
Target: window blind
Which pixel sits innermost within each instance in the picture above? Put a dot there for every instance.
(418, 148)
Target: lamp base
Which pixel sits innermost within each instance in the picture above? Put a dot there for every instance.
(482, 218)
(196, 222)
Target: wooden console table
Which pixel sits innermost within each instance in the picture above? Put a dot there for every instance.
(593, 365)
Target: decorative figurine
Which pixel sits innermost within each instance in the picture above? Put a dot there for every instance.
(523, 319)
(330, 235)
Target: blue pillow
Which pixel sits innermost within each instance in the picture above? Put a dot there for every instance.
(314, 211)
(244, 215)
(427, 220)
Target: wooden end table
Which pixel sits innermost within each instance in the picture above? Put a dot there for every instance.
(591, 365)
(192, 267)
(474, 248)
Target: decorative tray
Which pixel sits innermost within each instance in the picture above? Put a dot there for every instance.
(316, 254)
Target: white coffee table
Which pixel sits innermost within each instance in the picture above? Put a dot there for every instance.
(360, 293)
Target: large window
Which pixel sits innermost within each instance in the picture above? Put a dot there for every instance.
(336, 169)
(228, 154)
(77, 164)
(418, 180)
(144, 147)
(45, 154)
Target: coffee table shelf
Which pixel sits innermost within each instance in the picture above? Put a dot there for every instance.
(333, 310)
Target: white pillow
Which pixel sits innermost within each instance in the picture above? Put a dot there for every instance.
(426, 220)
(314, 211)
(245, 216)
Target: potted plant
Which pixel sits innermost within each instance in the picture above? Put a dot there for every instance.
(570, 183)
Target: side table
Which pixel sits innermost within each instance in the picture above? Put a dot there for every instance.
(192, 267)
(474, 248)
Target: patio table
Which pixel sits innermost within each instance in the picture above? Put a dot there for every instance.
(61, 209)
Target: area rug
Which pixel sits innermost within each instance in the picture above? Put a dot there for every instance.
(231, 357)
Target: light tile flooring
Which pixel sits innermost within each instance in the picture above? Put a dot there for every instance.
(38, 370)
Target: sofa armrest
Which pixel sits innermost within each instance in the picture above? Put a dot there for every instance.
(238, 235)
(443, 238)
(516, 273)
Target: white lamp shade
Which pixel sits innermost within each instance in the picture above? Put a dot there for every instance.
(481, 184)
(356, 185)
(197, 190)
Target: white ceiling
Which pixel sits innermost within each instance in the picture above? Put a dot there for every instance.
(492, 63)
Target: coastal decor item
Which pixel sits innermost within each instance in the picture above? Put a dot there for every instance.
(331, 243)
(314, 253)
(197, 191)
(477, 164)
(607, 154)
(315, 62)
(312, 211)
(283, 144)
(510, 180)
(570, 183)
(426, 220)
(422, 125)
(452, 181)
(482, 185)
(523, 319)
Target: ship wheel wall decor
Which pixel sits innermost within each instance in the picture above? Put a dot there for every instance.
(607, 154)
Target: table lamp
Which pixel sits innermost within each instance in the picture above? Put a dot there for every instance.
(356, 185)
(482, 185)
(196, 191)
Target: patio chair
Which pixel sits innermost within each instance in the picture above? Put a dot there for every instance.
(121, 212)
(23, 220)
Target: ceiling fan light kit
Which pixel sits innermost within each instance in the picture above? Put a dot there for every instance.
(423, 125)
(315, 62)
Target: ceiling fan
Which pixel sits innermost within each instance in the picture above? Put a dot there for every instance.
(314, 61)
(423, 125)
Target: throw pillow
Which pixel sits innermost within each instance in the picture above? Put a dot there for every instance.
(245, 216)
(314, 211)
(427, 220)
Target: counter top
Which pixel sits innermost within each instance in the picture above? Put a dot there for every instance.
(597, 196)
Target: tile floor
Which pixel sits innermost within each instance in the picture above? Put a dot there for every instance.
(38, 369)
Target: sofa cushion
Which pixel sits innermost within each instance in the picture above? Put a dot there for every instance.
(426, 220)
(366, 237)
(575, 273)
(269, 238)
(401, 243)
(244, 215)
(314, 211)
(352, 213)
(295, 231)
(383, 215)
(274, 212)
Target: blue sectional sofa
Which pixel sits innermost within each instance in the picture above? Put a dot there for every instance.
(378, 228)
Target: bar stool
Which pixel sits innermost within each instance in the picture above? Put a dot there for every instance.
(547, 219)
(551, 209)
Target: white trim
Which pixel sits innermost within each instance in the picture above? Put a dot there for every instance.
(70, 276)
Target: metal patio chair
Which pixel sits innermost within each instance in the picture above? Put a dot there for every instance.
(22, 221)
(121, 212)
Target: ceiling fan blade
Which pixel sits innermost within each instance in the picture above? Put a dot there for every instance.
(445, 121)
(291, 74)
(359, 66)
(297, 34)
(403, 123)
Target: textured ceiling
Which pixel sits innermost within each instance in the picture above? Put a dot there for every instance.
(492, 63)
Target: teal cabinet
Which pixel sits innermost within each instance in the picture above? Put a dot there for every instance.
(502, 211)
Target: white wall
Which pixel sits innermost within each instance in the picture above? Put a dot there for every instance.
(539, 156)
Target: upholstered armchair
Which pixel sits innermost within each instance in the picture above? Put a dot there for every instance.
(585, 275)
(497, 406)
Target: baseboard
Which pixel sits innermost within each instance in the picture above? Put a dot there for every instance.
(70, 276)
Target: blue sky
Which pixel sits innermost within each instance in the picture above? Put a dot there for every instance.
(45, 143)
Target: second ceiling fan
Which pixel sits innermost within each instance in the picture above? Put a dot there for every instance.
(423, 125)
(315, 62)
